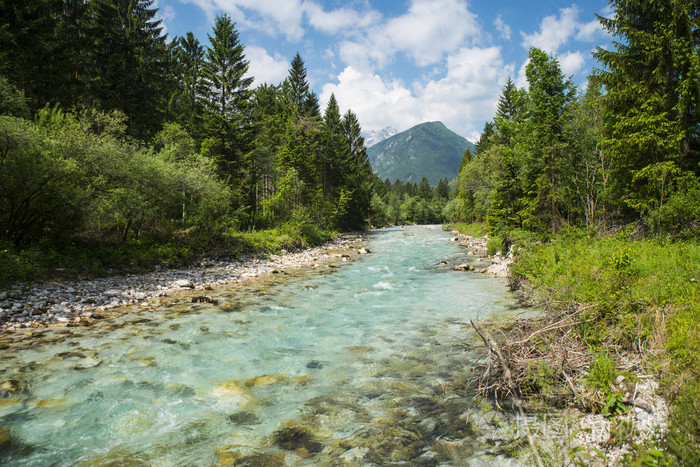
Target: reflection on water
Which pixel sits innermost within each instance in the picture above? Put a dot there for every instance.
(358, 365)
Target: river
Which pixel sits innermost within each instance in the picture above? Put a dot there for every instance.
(355, 365)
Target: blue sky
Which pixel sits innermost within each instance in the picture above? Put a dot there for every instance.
(404, 62)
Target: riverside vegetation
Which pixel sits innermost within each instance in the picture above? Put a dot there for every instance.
(597, 195)
(160, 152)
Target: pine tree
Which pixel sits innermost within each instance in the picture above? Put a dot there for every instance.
(226, 98)
(509, 106)
(128, 54)
(30, 55)
(301, 101)
(360, 180)
(549, 95)
(186, 101)
(333, 157)
(652, 79)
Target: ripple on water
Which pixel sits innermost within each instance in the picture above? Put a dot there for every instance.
(356, 365)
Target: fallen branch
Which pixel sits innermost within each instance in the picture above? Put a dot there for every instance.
(492, 345)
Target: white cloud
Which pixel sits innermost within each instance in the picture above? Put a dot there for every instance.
(554, 32)
(265, 68)
(429, 29)
(335, 21)
(376, 102)
(571, 63)
(467, 93)
(272, 16)
(590, 32)
(504, 31)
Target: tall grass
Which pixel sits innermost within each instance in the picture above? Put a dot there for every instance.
(643, 295)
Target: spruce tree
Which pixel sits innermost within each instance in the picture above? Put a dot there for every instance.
(186, 101)
(652, 79)
(549, 94)
(226, 98)
(127, 54)
(361, 178)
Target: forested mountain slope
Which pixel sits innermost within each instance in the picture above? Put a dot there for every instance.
(428, 150)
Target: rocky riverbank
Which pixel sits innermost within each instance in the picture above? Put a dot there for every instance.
(590, 438)
(35, 305)
(480, 261)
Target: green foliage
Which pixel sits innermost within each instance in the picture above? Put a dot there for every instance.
(684, 426)
(633, 293)
(602, 373)
(12, 100)
(474, 229)
(542, 379)
(494, 245)
(615, 406)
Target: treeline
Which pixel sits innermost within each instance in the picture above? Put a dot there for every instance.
(409, 203)
(624, 151)
(110, 133)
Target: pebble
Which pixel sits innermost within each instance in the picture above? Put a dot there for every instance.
(30, 305)
(499, 264)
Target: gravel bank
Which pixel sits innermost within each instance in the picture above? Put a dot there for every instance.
(36, 305)
(497, 265)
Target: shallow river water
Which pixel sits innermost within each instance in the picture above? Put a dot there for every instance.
(355, 365)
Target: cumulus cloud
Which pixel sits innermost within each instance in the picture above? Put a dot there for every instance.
(272, 16)
(332, 22)
(466, 93)
(286, 18)
(571, 63)
(554, 31)
(264, 67)
(504, 31)
(590, 31)
(430, 28)
(425, 34)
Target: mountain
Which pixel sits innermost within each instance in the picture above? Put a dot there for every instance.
(373, 137)
(428, 150)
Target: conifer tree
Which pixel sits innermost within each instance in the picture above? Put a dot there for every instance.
(652, 78)
(186, 101)
(226, 98)
(361, 179)
(550, 94)
(128, 55)
(334, 155)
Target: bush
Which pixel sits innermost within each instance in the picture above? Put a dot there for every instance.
(494, 245)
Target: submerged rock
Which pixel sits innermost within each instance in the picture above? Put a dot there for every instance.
(262, 380)
(244, 418)
(297, 439)
(204, 299)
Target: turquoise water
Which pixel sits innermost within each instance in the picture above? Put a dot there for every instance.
(355, 365)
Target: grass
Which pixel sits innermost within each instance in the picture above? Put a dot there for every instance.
(475, 229)
(88, 260)
(644, 296)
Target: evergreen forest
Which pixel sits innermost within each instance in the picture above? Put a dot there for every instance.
(121, 148)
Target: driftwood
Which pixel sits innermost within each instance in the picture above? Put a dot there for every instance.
(493, 346)
(545, 342)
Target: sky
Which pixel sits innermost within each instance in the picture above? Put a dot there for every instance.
(403, 62)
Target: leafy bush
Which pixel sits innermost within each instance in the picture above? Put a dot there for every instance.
(494, 245)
